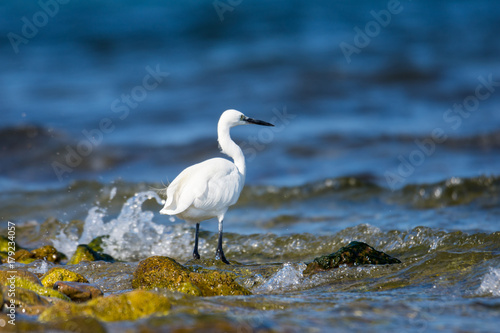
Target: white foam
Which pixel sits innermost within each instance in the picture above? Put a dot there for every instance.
(132, 235)
(112, 193)
(40, 266)
(288, 278)
(490, 284)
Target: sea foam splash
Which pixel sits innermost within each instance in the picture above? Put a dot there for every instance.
(490, 285)
(288, 277)
(132, 235)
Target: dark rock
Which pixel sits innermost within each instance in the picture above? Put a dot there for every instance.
(96, 243)
(78, 291)
(84, 252)
(354, 254)
(49, 253)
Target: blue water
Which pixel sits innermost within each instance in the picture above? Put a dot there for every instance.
(402, 132)
(348, 117)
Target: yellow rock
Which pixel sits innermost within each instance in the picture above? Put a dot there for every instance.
(61, 274)
(164, 272)
(128, 306)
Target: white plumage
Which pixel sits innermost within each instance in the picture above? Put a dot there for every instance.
(206, 190)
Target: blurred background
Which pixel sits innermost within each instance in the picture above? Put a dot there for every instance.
(132, 91)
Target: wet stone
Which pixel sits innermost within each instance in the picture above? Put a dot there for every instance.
(96, 243)
(164, 272)
(56, 274)
(27, 275)
(128, 306)
(22, 297)
(23, 256)
(78, 291)
(49, 253)
(6, 244)
(85, 252)
(354, 254)
(37, 287)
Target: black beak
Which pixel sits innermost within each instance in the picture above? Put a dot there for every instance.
(257, 122)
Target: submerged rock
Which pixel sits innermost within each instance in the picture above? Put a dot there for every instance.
(354, 254)
(128, 306)
(61, 274)
(164, 272)
(78, 291)
(85, 252)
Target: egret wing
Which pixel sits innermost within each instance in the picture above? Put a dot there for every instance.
(224, 185)
(183, 190)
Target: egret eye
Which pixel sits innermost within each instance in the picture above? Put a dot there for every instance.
(242, 117)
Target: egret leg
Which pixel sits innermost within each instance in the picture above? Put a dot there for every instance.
(196, 255)
(219, 254)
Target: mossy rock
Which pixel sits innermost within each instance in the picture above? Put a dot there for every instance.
(61, 274)
(84, 252)
(96, 243)
(4, 244)
(354, 254)
(19, 273)
(78, 324)
(164, 272)
(49, 253)
(128, 306)
(21, 282)
(29, 301)
(23, 256)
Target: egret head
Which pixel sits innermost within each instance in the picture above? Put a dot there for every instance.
(234, 118)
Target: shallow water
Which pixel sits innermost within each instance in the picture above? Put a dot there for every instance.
(364, 150)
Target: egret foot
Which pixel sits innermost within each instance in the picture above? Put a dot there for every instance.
(219, 255)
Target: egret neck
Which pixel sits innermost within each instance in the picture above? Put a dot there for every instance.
(229, 147)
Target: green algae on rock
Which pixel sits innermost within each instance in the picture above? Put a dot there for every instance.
(6, 244)
(164, 272)
(78, 291)
(19, 272)
(23, 256)
(49, 253)
(39, 289)
(27, 301)
(354, 254)
(61, 274)
(96, 243)
(78, 324)
(28, 280)
(132, 305)
(85, 252)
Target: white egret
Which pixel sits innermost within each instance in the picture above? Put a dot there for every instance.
(206, 190)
